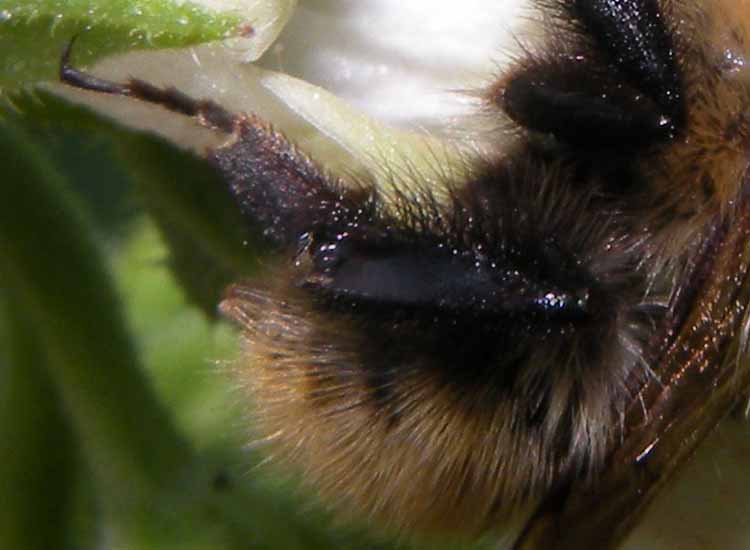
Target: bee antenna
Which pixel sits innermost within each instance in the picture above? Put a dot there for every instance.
(80, 79)
(207, 112)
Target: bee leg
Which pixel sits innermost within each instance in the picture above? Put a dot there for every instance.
(208, 113)
(618, 86)
(581, 106)
(279, 188)
(634, 36)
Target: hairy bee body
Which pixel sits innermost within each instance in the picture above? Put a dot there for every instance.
(445, 356)
(450, 419)
(433, 420)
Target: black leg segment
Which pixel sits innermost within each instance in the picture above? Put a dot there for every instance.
(583, 106)
(634, 35)
(618, 85)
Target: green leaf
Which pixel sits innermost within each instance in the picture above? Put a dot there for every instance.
(36, 473)
(33, 33)
(51, 264)
(210, 243)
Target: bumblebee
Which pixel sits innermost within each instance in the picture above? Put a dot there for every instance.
(547, 336)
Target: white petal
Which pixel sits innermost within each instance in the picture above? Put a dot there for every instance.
(388, 154)
(403, 62)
